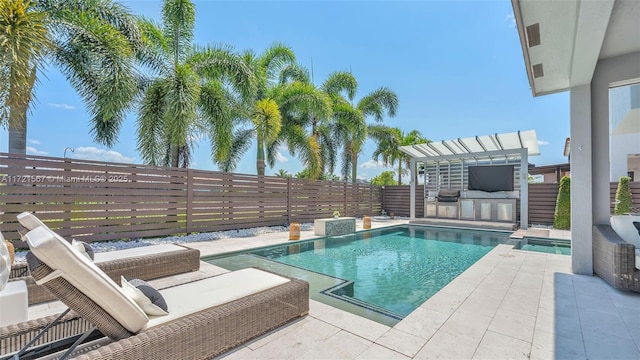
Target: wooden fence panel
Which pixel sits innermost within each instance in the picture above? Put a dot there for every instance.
(93, 201)
(396, 199)
(542, 203)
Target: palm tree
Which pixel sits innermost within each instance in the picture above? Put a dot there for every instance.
(92, 42)
(389, 140)
(350, 128)
(311, 133)
(283, 173)
(278, 84)
(187, 99)
(267, 122)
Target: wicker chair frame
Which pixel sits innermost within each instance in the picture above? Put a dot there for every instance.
(614, 259)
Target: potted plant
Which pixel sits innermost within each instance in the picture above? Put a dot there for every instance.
(622, 219)
(623, 196)
(336, 214)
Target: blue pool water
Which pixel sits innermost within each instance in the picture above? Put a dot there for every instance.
(549, 246)
(396, 269)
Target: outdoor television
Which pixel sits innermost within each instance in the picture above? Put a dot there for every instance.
(491, 178)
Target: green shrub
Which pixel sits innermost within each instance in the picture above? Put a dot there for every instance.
(623, 196)
(562, 215)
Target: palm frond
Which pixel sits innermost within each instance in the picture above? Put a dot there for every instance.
(218, 115)
(150, 127)
(377, 101)
(155, 47)
(222, 62)
(274, 59)
(241, 143)
(297, 97)
(267, 120)
(294, 72)
(341, 82)
(24, 43)
(178, 17)
(182, 97)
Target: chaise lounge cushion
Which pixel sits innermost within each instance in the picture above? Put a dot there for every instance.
(29, 221)
(192, 297)
(80, 272)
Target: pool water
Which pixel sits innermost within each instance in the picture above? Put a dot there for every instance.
(549, 246)
(391, 271)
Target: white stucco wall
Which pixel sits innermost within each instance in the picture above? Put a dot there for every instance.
(590, 166)
(621, 146)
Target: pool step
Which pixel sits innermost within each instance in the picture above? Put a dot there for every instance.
(344, 292)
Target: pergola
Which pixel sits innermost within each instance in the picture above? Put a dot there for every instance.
(446, 162)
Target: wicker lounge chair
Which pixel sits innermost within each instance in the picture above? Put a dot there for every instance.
(614, 259)
(146, 263)
(230, 309)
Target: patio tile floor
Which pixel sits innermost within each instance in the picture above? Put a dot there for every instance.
(511, 304)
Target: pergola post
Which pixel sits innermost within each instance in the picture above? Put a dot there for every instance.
(524, 189)
(413, 182)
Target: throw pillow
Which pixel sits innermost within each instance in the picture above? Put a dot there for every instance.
(84, 248)
(145, 295)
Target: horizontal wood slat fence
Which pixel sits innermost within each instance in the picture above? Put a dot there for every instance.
(542, 201)
(94, 201)
(395, 199)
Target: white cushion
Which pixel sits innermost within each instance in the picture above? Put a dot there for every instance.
(79, 246)
(638, 259)
(29, 221)
(58, 254)
(192, 297)
(623, 226)
(134, 252)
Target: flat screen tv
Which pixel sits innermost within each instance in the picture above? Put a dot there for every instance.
(491, 178)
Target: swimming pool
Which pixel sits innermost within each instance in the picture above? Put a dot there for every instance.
(388, 272)
(549, 246)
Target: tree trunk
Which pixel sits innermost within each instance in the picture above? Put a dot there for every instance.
(354, 166)
(175, 155)
(260, 158)
(18, 137)
(399, 172)
(18, 115)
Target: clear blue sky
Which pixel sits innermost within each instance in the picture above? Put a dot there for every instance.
(456, 66)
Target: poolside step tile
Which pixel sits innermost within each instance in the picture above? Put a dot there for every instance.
(481, 303)
(342, 345)
(317, 309)
(401, 342)
(521, 303)
(422, 322)
(516, 325)
(375, 352)
(498, 346)
(308, 331)
(355, 324)
(468, 324)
